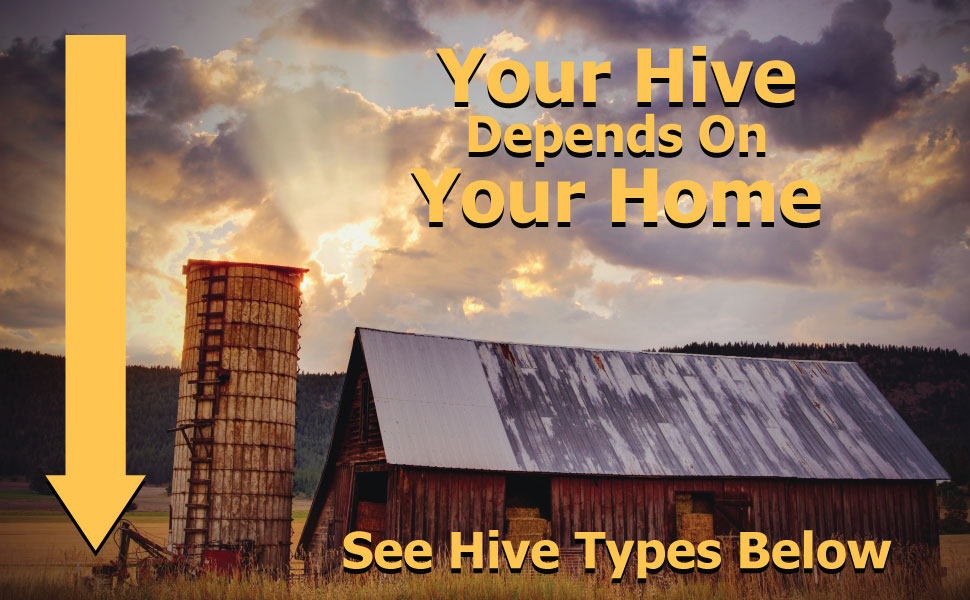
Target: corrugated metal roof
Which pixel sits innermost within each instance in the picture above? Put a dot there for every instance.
(455, 403)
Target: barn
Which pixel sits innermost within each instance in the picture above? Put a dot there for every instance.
(438, 434)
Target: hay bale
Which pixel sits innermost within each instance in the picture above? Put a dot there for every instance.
(682, 504)
(696, 527)
(521, 513)
(526, 526)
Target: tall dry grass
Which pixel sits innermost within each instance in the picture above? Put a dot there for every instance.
(897, 583)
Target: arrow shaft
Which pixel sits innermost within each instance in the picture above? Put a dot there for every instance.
(95, 254)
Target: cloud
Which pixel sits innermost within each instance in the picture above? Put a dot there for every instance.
(175, 175)
(269, 236)
(879, 310)
(845, 82)
(385, 26)
(317, 176)
(623, 21)
(947, 6)
(755, 253)
(498, 49)
(31, 193)
(907, 211)
(168, 84)
(312, 149)
(379, 26)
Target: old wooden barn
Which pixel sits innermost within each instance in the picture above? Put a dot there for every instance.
(437, 434)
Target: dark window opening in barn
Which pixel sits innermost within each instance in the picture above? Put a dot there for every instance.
(366, 400)
(731, 514)
(695, 516)
(704, 515)
(370, 503)
(527, 508)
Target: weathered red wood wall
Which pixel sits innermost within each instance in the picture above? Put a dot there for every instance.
(428, 504)
(639, 509)
(353, 452)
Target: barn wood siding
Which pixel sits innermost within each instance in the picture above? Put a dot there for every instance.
(351, 452)
(634, 508)
(428, 504)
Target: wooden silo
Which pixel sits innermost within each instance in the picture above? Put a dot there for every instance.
(232, 478)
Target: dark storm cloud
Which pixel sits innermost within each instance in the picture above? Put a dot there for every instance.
(148, 135)
(845, 82)
(31, 185)
(219, 172)
(385, 26)
(26, 308)
(916, 210)
(163, 82)
(179, 172)
(621, 21)
(172, 175)
(948, 6)
(777, 253)
(172, 86)
(382, 26)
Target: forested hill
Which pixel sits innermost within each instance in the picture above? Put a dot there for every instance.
(32, 428)
(929, 387)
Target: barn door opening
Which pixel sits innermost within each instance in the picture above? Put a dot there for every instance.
(703, 515)
(370, 503)
(694, 516)
(527, 508)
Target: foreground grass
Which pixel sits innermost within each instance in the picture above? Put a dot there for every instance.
(441, 584)
(55, 577)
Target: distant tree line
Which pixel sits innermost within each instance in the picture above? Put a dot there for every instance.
(32, 430)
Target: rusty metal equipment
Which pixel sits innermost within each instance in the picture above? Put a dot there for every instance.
(157, 562)
(232, 479)
(151, 561)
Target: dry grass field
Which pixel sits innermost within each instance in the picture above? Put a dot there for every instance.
(898, 584)
(36, 535)
(41, 555)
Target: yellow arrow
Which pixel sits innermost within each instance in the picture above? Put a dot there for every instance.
(95, 489)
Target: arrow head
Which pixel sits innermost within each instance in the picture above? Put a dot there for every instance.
(95, 502)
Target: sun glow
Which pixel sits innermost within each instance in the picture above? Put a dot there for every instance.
(472, 306)
(348, 253)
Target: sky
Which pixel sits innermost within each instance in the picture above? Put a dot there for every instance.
(285, 132)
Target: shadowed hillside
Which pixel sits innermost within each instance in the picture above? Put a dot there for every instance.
(32, 402)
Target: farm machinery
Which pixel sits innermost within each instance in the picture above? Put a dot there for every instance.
(150, 560)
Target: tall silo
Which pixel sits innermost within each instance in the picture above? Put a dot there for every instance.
(232, 478)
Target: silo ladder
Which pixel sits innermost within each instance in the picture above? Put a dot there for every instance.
(208, 388)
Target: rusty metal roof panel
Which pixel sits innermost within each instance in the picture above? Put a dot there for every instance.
(454, 403)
